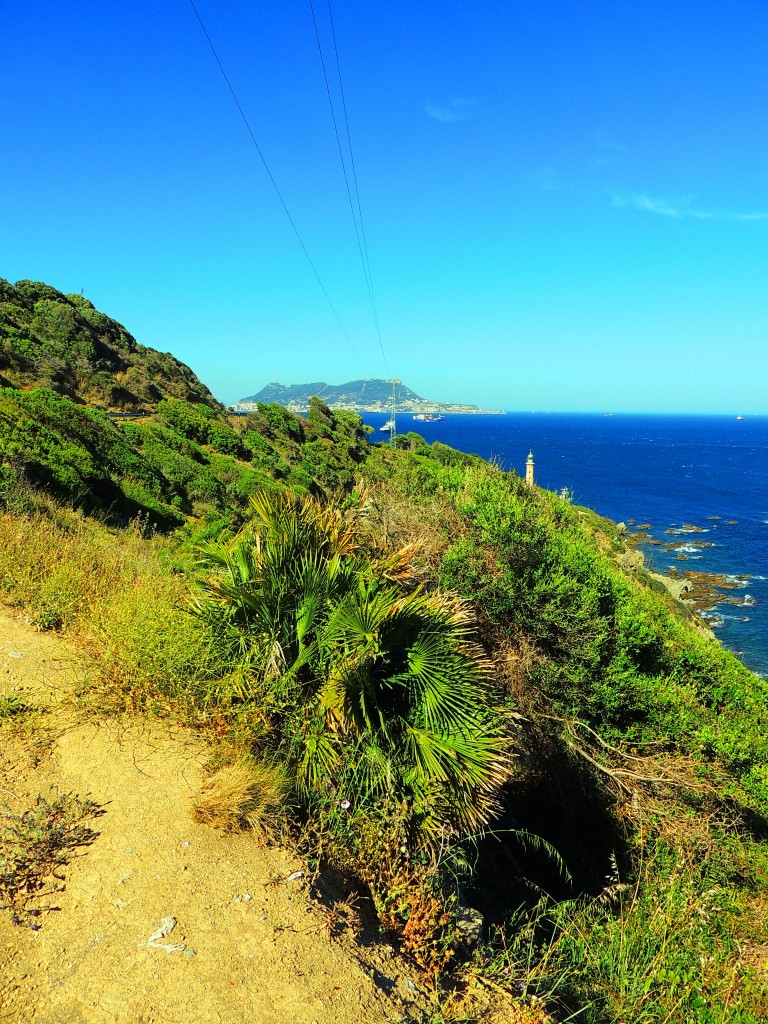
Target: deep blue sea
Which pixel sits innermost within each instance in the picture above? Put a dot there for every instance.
(664, 470)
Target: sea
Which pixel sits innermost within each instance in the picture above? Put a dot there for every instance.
(669, 473)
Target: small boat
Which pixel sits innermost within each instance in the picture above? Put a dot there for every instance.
(429, 417)
(388, 427)
(739, 417)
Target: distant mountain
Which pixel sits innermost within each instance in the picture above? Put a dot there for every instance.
(48, 339)
(358, 395)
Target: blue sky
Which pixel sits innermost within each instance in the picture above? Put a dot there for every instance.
(565, 204)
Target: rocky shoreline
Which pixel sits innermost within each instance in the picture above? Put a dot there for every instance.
(698, 590)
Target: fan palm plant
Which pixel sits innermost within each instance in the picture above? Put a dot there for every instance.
(359, 676)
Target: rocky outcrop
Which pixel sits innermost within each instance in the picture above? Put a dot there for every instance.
(373, 395)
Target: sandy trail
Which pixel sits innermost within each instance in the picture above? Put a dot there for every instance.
(257, 946)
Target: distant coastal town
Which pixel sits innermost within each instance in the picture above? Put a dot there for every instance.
(374, 395)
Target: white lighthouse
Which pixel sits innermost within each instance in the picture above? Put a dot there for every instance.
(529, 469)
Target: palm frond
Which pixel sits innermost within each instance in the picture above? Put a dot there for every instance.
(357, 675)
(319, 758)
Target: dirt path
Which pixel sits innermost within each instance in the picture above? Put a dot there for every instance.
(257, 946)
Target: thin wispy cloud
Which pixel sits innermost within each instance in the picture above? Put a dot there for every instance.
(547, 179)
(611, 147)
(455, 110)
(678, 208)
(607, 151)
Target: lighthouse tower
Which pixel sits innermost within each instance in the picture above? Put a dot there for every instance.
(529, 469)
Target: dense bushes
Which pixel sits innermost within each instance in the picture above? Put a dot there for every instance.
(319, 455)
(187, 460)
(199, 423)
(80, 456)
(48, 339)
(643, 740)
(356, 674)
(341, 656)
(607, 648)
(593, 642)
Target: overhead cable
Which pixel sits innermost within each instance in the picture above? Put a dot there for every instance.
(359, 231)
(354, 179)
(274, 183)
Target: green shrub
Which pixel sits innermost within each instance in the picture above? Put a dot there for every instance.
(352, 674)
(34, 848)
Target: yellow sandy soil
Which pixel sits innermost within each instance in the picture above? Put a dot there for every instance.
(258, 947)
(264, 960)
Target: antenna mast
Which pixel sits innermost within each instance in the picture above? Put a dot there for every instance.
(394, 381)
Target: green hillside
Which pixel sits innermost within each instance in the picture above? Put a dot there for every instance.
(48, 339)
(461, 698)
(184, 461)
(66, 365)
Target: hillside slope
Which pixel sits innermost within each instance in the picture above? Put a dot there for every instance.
(64, 367)
(389, 623)
(48, 339)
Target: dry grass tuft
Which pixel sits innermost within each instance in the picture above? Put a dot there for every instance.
(395, 522)
(117, 595)
(244, 795)
(514, 660)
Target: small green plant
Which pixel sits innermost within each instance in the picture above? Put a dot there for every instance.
(49, 618)
(12, 707)
(35, 846)
(27, 724)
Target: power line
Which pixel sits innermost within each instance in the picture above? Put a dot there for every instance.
(354, 175)
(338, 142)
(274, 183)
(362, 244)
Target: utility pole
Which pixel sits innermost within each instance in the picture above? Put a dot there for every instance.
(394, 381)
